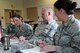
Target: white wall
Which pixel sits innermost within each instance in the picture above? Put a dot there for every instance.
(6, 4)
(23, 4)
(78, 3)
(42, 3)
(39, 4)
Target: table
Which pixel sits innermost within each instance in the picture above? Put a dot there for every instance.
(32, 50)
(12, 41)
(5, 51)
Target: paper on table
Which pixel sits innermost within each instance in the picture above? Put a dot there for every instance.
(13, 41)
(33, 50)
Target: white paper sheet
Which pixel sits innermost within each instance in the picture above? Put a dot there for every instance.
(33, 50)
(13, 41)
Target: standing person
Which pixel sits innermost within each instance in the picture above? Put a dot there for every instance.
(48, 26)
(67, 37)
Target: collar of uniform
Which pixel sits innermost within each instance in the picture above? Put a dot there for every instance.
(70, 19)
(20, 25)
(43, 22)
(51, 21)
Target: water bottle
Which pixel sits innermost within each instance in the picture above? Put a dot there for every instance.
(1, 33)
(6, 42)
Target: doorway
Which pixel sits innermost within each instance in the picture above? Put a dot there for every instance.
(32, 14)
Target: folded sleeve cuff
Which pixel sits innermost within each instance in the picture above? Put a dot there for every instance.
(58, 49)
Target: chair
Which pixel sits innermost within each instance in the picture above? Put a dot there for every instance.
(34, 27)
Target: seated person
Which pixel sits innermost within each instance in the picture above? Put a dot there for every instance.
(21, 27)
(47, 28)
(21, 45)
(10, 28)
(23, 31)
(67, 36)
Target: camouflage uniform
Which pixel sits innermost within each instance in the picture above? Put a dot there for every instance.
(45, 31)
(67, 37)
(23, 30)
(9, 29)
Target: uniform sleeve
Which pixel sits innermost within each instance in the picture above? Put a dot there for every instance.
(9, 29)
(52, 30)
(5, 30)
(30, 32)
(74, 48)
(74, 43)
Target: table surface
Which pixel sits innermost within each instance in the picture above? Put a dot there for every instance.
(12, 41)
(32, 50)
(5, 51)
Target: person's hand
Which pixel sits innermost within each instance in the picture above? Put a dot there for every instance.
(22, 38)
(48, 48)
(14, 37)
(41, 43)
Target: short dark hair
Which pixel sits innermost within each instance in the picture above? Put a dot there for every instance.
(67, 5)
(16, 15)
